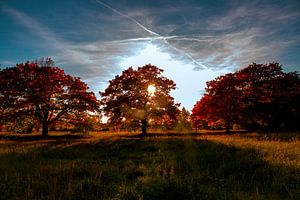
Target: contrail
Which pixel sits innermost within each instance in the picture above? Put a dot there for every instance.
(128, 17)
(142, 39)
(156, 35)
(184, 38)
(171, 37)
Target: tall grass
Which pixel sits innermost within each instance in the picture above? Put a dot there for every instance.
(123, 166)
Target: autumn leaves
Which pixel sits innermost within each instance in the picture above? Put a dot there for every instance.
(256, 97)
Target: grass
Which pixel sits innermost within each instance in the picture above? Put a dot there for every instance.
(125, 166)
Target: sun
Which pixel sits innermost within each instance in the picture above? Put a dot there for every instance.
(149, 54)
(151, 89)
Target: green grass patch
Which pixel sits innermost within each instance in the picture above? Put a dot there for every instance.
(129, 167)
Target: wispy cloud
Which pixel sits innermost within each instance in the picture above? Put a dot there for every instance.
(156, 36)
(94, 62)
(99, 36)
(128, 17)
(33, 25)
(243, 34)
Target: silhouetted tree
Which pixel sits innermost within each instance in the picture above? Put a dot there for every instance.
(41, 90)
(127, 97)
(270, 97)
(258, 96)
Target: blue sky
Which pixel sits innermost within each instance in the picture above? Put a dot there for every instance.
(193, 41)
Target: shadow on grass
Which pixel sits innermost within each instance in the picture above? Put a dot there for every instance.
(148, 168)
(175, 134)
(26, 137)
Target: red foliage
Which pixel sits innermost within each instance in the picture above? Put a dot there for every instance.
(256, 96)
(221, 101)
(43, 91)
(127, 96)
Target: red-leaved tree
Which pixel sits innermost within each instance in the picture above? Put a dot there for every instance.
(41, 90)
(260, 96)
(271, 97)
(128, 97)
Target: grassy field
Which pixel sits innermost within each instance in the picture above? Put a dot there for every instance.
(126, 166)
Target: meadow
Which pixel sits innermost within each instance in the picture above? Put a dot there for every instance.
(159, 166)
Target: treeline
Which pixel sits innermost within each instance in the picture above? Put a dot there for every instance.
(38, 94)
(258, 97)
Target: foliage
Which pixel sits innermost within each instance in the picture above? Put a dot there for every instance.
(23, 124)
(183, 122)
(39, 89)
(84, 122)
(271, 97)
(220, 101)
(256, 97)
(126, 99)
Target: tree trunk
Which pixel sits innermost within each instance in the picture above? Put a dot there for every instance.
(144, 127)
(45, 129)
(228, 126)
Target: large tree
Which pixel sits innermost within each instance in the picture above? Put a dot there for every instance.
(259, 96)
(139, 95)
(41, 90)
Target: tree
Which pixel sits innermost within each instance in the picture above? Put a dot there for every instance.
(139, 95)
(258, 96)
(184, 121)
(270, 97)
(85, 122)
(41, 90)
(220, 102)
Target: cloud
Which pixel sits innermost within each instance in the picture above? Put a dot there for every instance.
(241, 34)
(128, 17)
(155, 36)
(244, 34)
(195, 35)
(7, 63)
(95, 62)
(98, 58)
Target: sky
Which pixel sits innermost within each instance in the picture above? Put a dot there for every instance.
(193, 41)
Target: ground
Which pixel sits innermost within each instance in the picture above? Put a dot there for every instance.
(160, 166)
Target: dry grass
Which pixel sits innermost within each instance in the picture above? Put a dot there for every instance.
(275, 151)
(162, 166)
